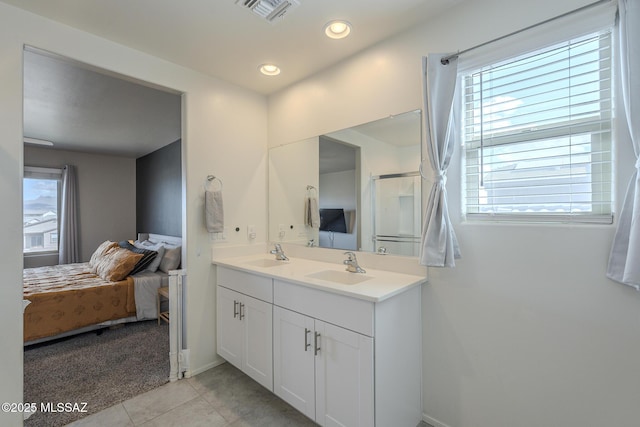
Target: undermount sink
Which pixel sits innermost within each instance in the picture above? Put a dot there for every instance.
(264, 263)
(342, 277)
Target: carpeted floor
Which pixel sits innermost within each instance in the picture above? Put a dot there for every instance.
(101, 370)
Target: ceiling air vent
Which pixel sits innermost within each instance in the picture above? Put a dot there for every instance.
(270, 10)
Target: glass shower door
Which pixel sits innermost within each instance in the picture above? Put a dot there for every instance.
(397, 213)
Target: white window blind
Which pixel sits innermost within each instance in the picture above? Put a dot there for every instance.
(538, 135)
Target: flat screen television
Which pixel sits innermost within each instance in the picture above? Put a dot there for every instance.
(333, 220)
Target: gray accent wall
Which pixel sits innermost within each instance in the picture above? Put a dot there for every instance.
(159, 189)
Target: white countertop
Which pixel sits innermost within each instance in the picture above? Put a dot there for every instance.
(378, 286)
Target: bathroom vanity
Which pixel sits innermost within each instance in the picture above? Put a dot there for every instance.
(343, 348)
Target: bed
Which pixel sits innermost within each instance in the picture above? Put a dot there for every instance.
(119, 284)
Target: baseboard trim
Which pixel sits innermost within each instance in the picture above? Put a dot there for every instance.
(432, 421)
(189, 374)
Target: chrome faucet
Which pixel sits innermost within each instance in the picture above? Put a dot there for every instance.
(279, 253)
(352, 263)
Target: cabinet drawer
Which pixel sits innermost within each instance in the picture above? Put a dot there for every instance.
(340, 310)
(249, 284)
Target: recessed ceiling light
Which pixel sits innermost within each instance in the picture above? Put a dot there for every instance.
(337, 29)
(269, 69)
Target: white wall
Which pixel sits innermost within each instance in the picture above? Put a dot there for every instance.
(292, 167)
(526, 331)
(106, 194)
(224, 133)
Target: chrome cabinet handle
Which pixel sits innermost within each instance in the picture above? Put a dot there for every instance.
(306, 339)
(317, 347)
(235, 309)
(241, 311)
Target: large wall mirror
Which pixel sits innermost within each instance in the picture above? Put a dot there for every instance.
(353, 189)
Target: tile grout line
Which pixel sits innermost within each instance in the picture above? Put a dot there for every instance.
(172, 409)
(201, 396)
(127, 412)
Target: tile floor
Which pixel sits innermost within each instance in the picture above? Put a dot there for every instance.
(220, 397)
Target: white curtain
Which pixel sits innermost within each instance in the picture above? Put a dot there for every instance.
(624, 260)
(439, 246)
(68, 234)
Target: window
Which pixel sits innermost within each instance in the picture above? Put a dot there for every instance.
(538, 135)
(41, 199)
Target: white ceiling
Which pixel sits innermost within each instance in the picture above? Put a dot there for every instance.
(80, 108)
(103, 113)
(335, 156)
(222, 39)
(401, 130)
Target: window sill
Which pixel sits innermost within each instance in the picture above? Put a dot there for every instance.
(39, 254)
(539, 219)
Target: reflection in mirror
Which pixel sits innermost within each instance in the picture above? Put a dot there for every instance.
(343, 173)
(338, 194)
(396, 213)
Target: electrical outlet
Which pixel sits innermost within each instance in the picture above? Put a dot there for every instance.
(251, 232)
(282, 229)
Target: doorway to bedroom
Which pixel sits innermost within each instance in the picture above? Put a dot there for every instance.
(122, 139)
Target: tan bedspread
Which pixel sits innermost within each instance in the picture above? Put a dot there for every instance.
(68, 297)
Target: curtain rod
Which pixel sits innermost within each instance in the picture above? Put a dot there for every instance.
(445, 60)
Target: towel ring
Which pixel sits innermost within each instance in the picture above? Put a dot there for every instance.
(210, 180)
(311, 189)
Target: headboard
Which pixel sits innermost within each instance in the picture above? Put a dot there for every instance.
(174, 240)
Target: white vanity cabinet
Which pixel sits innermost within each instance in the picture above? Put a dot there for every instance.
(345, 361)
(322, 370)
(343, 355)
(244, 323)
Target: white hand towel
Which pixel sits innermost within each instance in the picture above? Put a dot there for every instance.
(312, 213)
(214, 214)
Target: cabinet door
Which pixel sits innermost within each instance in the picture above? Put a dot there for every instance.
(344, 377)
(228, 326)
(257, 319)
(293, 360)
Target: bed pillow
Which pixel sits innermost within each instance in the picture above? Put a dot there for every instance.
(147, 256)
(117, 264)
(172, 254)
(153, 267)
(100, 252)
(158, 247)
(171, 258)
